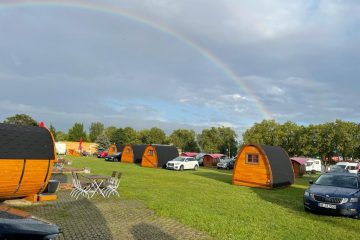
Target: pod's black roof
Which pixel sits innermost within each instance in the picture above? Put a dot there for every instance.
(25, 142)
(280, 164)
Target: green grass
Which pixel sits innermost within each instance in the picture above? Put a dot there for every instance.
(206, 200)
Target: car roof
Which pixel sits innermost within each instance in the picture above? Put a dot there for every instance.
(342, 174)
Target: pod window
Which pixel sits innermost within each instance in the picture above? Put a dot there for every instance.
(252, 158)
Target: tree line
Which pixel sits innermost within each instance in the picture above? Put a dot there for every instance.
(326, 140)
(213, 140)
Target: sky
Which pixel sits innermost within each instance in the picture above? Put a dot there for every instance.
(180, 64)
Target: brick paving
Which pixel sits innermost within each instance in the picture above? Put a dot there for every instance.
(110, 218)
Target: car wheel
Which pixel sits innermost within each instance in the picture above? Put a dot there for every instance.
(196, 167)
(181, 168)
(227, 168)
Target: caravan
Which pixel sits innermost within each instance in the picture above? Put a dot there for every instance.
(313, 165)
(60, 148)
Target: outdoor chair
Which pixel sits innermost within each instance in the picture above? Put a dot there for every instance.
(80, 188)
(112, 186)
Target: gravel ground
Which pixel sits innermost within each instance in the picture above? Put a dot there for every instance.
(111, 218)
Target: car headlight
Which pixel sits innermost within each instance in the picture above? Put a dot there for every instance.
(306, 194)
(354, 200)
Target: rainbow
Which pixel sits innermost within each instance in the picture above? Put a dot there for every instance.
(84, 5)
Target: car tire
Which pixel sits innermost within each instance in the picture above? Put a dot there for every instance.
(196, 167)
(181, 168)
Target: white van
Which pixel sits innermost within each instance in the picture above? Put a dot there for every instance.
(349, 166)
(313, 165)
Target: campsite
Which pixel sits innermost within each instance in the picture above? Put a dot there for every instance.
(174, 120)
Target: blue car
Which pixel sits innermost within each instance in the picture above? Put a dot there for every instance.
(334, 193)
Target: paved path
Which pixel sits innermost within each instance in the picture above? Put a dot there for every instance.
(112, 218)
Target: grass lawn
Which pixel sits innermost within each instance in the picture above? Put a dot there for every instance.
(207, 201)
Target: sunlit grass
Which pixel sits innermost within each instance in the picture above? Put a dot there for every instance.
(206, 200)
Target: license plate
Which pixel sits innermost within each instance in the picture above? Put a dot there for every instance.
(324, 205)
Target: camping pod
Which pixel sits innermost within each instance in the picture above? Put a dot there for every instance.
(132, 153)
(158, 155)
(299, 165)
(27, 154)
(211, 160)
(114, 148)
(263, 167)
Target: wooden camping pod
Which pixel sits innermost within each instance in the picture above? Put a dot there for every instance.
(26, 160)
(263, 167)
(132, 153)
(114, 148)
(211, 160)
(298, 165)
(158, 155)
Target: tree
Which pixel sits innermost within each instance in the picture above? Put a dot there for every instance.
(77, 132)
(266, 132)
(53, 131)
(152, 136)
(61, 136)
(184, 139)
(96, 129)
(228, 143)
(130, 136)
(110, 133)
(103, 142)
(210, 140)
(21, 119)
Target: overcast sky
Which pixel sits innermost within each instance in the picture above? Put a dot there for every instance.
(171, 64)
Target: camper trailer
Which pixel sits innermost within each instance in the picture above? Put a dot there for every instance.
(313, 165)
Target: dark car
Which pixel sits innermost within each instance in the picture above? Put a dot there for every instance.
(226, 164)
(334, 193)
(337, 168)
(116, 157)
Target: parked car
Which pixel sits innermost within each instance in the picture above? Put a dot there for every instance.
(337, 168)
(226, 164)
(181, 163)
(102, 154)
(200, 158)
(116, 157)
(334, 193)
(349, 166)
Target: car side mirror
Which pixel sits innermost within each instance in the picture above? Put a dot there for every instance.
(311, 182)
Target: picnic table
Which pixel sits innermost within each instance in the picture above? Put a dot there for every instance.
(96, 182)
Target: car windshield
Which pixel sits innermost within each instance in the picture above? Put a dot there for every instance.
(338, 167)
(338, 181)
(179, 159)
(309, 163)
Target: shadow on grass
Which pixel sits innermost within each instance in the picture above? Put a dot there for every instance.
(215, 175)
(77, 219)
(149, 232)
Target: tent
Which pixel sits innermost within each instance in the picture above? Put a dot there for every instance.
(262, 166)
(189, 154)
(158, 155)
(27, 154)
